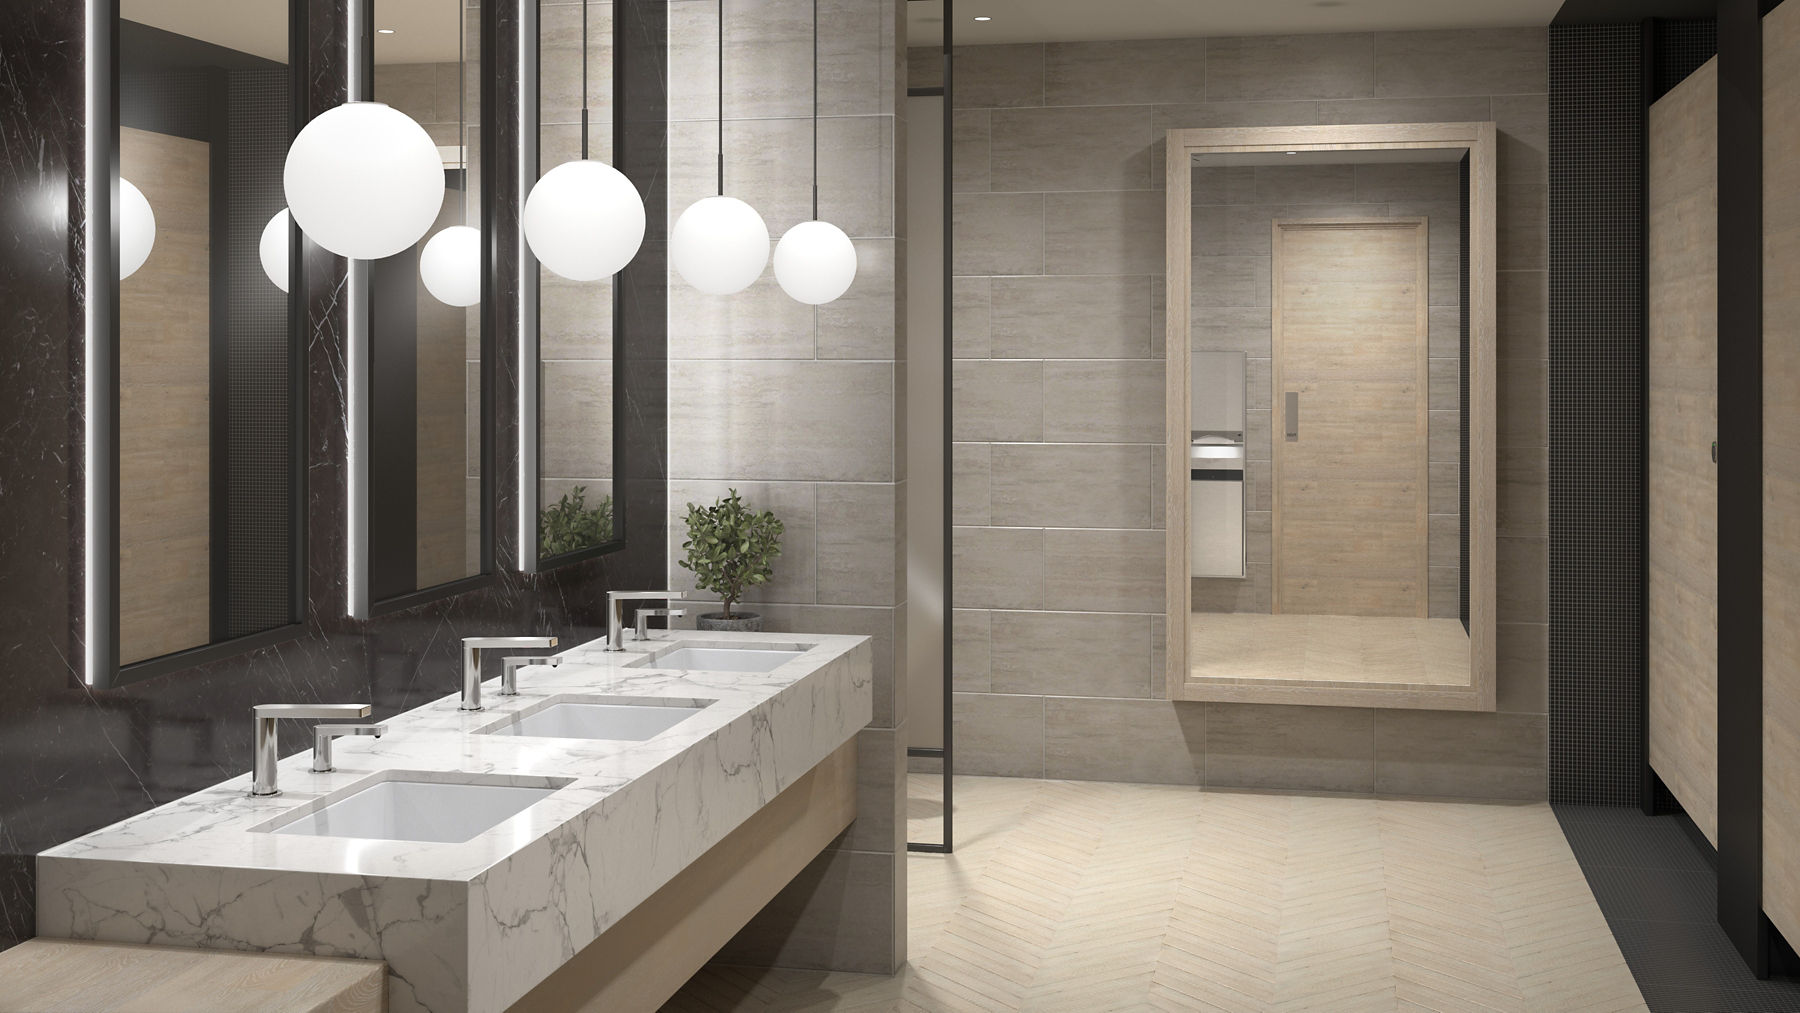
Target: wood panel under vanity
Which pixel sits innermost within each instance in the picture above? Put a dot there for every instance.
(1681, 423)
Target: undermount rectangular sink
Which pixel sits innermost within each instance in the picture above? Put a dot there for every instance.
(723, 659)
(433, 811)
(619, 719)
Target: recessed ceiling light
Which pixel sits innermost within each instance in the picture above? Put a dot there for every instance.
(1290, 152)
(983, 17)
(384, 31)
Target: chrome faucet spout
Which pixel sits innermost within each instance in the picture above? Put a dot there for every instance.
(615, 612)
(268, 751)
(509, 669)
(472, 648)
(324, 735)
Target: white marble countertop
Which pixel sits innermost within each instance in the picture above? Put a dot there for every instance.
(472, 925)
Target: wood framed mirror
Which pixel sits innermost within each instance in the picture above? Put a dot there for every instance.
(1330, 444)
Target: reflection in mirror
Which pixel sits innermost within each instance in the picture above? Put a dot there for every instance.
(1328, 398)
(208, 366)
(425, 422)
(576, 505)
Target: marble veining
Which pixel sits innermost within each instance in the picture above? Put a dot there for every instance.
(472, 926)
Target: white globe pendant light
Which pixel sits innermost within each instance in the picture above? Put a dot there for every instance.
(272, 249)
(137, 228)
(450, 266)
(364, 180)
(815, 262)
(583, 219)
(719, 244)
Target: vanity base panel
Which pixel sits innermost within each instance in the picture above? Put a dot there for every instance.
(645, 958)
(75, 974)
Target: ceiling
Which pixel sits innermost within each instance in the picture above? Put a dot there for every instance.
(1088, 20)
(424, 30)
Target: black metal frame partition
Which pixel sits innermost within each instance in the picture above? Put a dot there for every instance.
(946, 753)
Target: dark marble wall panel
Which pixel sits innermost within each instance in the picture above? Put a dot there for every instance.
(72, 759)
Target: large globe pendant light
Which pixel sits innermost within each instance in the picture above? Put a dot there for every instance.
(583, 219)
(272, 248)
(137, 228)
(815, 262)
(450, 264)
(364, 180)
(719, 244)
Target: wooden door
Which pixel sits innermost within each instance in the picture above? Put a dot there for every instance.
(1349, 422)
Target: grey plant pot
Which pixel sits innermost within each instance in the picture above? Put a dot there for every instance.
(742, 622)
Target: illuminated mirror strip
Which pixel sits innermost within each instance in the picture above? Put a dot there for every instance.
(356, 368)
(528, 291)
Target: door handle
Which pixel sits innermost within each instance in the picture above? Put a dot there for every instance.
(1292, 414)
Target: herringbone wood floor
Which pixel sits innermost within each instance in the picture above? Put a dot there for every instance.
(1083, 896)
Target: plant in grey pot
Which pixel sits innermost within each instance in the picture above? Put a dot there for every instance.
(730, 549)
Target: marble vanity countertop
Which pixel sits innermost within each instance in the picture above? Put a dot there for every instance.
(474, 925)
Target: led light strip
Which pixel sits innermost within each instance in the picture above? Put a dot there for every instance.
(97, 176)
(527, 289)
(356, 380)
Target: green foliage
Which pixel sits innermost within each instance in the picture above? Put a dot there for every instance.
(571, 524)
(730, 548)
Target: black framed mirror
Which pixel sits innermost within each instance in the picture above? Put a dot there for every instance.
(426, 360)
(197, 480)
(572, 329)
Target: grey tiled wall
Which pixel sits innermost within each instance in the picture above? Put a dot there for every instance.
(802, 409)
(1058, 300)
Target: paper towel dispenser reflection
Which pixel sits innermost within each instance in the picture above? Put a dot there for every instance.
(1216, 466)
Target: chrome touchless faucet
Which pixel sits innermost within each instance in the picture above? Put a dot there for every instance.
(472, 648)
(615, 612)
(268, 752)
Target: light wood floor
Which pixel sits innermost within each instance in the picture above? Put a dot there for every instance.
(1346, 649)
(1085, 896)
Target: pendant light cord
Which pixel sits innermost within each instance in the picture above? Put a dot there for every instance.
(721, 98)
(815, 70)
(584, 80)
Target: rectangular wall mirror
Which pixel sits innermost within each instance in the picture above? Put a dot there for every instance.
(428, 489)
(572, 437)
(210, 372)
(1332, 380)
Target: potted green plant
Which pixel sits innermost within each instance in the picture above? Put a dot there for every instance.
(730, 549)
(572, 525)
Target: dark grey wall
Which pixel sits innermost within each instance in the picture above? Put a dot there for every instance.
(74, 759)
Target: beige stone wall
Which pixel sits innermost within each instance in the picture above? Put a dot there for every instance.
(1059, 401)
(802, 409)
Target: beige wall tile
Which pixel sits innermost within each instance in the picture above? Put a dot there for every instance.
(1118, 232)
(1105, 317)
(1250, 593)
(1461, 109)
(972, 151)
(1412, 183)
(1446, 492)
(1191, 115)
(559, 61)
(575, 318)
(1444, 592)
(1523, 312)
(998, 568)
(1236, 282)
(1522, 415)
(865, 322)
(856, 545)
(1461, 754)
(998, 234)
(1124, 740)
(999, 76)
(1523, 235)
(1235, 328)
(1305, 184)
(972, 635)
(761, 322)
(410, 88)
(763, 420)
(1522, 582)
(1524, 148)
(1291, 66)
(1524, 668)
(1445, 390)
(1071, 485)
(1103, 401)
(998, 401)
(1103, 571)
(1522, 491)
(880, 809)
(1071, 654)
(856, 178)
(970, 323)
(576, 400)
(1506, 61)
(924, 66)
(1095, 148)
(1118, 73)
(999, 735)
(971, 479)
(1285, 747)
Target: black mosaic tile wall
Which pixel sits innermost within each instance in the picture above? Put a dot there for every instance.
(1596, 413)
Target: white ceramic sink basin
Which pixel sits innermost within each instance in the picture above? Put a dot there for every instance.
(723, 659)
(622, 719)
(443, 813)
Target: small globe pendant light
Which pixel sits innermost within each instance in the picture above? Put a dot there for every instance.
(719, 245)
(272, 249)
(815, 262)
(583, 219)
(450, 264)
(364, 180)
(137, 228)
